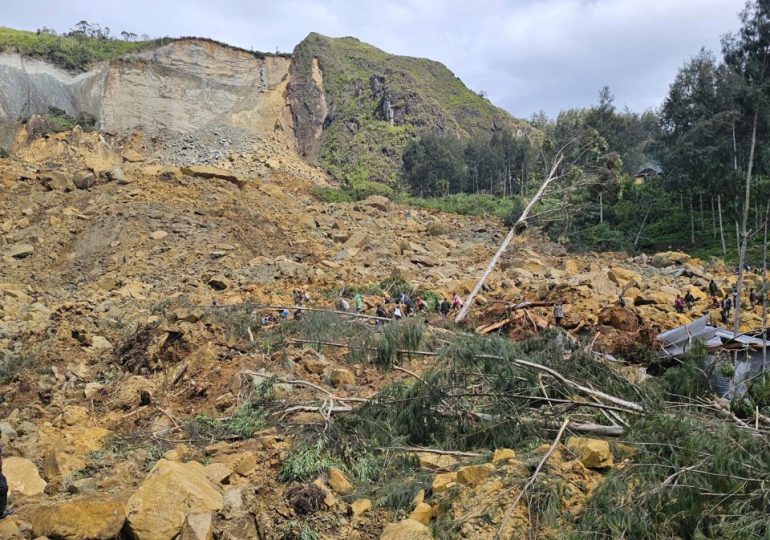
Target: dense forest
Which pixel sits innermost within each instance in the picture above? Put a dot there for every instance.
(699, 150)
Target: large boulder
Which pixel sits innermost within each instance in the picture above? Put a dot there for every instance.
(56, 181)
(593, 453)
(96, 517)
(23, 477)
(621, 276)
(339, 482)
(431, 461)
(668, 258)
(207, 171)
(171, 491)
(621, 318)
(655, 297)
(473, 475)
(356, 240)
(377, 201)
(197, 526)
(407, 529)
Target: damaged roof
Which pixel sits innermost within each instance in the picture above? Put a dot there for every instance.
(677, 341)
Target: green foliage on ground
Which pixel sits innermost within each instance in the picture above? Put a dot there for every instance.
(306, 462)
(359, 144)
(759, 390)
(57, 120)
(410, 413)
(693, 473)
(72, 51)
(332, 195)
(242, 424)
(471, 204)
(715, 491)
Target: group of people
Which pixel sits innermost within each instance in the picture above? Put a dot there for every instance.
(442, 307)
(684, 302)
(403, 306)
(725, 305)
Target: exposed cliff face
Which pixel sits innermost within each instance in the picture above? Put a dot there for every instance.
(178, 87)
(183, 86)
(340, 103)
(31, 86)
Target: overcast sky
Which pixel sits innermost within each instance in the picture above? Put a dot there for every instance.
(528, 55)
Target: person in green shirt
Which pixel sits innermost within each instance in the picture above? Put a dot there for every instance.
(357, 302)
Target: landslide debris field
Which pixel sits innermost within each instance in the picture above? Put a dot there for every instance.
(126, 389)
(152, 390)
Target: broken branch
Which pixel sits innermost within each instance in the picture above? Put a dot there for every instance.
(532, 478)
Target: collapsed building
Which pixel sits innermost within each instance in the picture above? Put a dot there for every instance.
(747, 352)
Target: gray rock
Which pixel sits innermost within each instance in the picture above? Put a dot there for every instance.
(56, 181)
(20, 251)
(7, 430)
(84, 179)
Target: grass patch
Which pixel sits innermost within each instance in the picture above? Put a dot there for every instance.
(236, 319)
(246, 420)
(332, 195)
(305, 463)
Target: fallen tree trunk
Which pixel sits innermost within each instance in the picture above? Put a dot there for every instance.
(629, 405)
(552, 176)
(428, 450)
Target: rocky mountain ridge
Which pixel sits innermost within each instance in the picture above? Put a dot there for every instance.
(345, 104)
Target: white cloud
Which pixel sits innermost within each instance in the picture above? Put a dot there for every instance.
(527, 54)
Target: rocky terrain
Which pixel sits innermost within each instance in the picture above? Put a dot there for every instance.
(111, 261)
(138, 261)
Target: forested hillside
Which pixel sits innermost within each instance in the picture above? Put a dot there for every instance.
(700, 149)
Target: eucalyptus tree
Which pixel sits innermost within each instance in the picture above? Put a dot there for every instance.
(747, 54)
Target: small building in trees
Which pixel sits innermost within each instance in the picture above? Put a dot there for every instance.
(647, 172)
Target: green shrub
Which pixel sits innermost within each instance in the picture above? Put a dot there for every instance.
(689, 380)
(57, 120)
(743, 406)
(246, 420)
(759, 391)
(237, 319)
(472, 205)
(727, 369)
(306, 462)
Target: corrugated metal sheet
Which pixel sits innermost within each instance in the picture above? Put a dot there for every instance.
(678, 341)
(745, 351)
